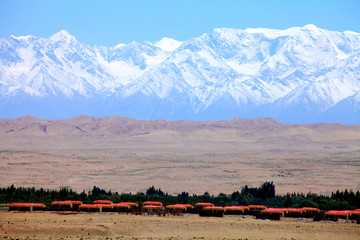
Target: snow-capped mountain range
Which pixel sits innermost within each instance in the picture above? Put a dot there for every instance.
(298, 75)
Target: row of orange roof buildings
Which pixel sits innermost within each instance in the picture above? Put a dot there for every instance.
(202, 208)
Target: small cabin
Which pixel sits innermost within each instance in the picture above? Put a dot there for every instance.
(335, 215)
(255, 209)
(26, 206)
(310, 212)
(272, 213)
(153, 209)
(236, 210)
(294, 212)
(212, 211)
(66, 205)
(103, 202)
(96, 207)
(154, 203)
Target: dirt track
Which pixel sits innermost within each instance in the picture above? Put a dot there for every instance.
(120, 226)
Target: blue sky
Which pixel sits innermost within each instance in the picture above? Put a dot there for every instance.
(107, 23)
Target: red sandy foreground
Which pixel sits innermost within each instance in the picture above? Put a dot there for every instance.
(51, 225)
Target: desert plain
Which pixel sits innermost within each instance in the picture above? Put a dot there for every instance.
(126, 155)
(48, 225)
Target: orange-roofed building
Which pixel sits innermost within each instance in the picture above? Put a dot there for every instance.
(131, 204)
(256, 209)
(236, 210)
(176, 209)
(212, 211)
(66, 205)
(272, 213)
(152, 203)
(294, 212)
(180, 207)
(335, 215)
(354, 215)
(103, 202)
(120, 207)
(310, 212)
(153, 209)
(96, 207)
(26, 206)
(200, 205)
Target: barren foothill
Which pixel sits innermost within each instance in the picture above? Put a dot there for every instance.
(127, 155)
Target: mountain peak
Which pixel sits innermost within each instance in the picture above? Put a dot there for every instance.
(28, 118)
(63, 36)
(168, 44)
(310, 27)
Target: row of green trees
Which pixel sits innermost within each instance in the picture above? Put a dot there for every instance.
(264, 195)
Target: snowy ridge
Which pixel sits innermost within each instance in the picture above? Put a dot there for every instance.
(297, 75)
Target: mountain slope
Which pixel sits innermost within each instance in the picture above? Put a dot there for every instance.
(297, 75)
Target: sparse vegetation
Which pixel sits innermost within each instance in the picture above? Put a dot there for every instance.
(264, 195)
